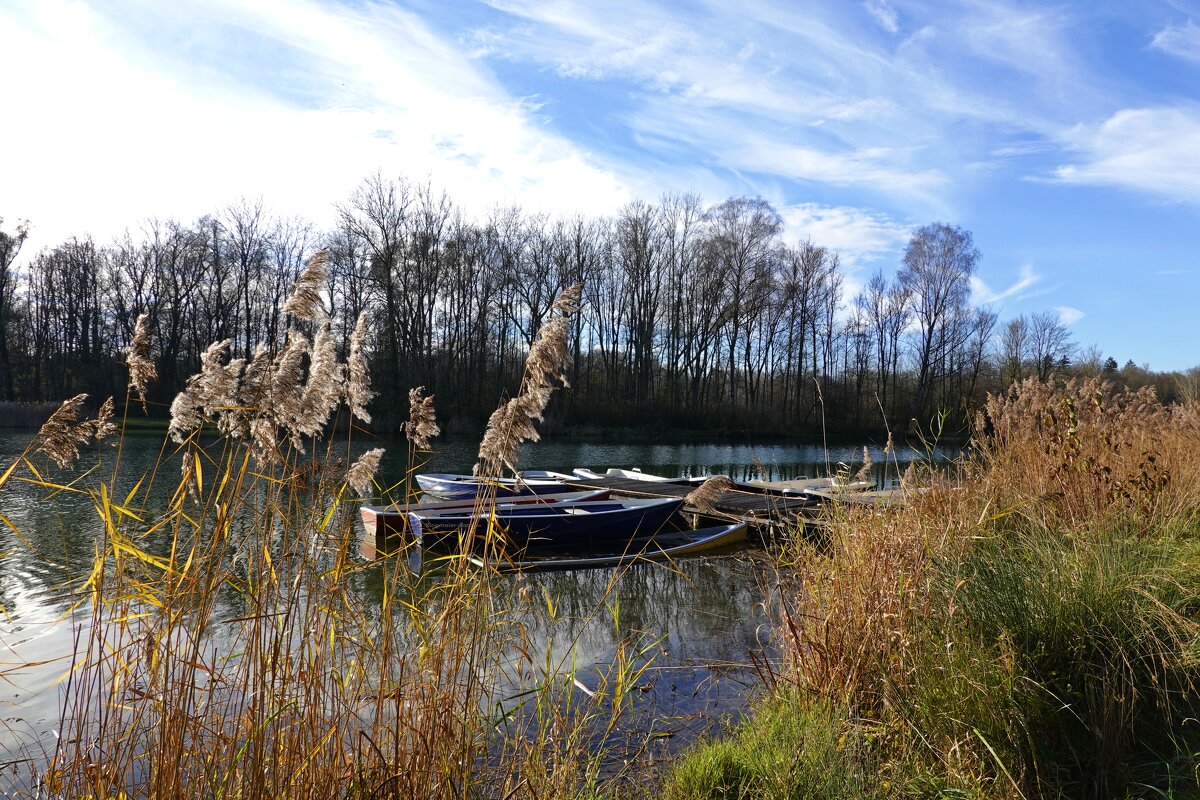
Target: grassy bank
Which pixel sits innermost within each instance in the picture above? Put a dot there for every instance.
(1032, 633)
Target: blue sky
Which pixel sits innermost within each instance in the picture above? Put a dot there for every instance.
(1065, 136)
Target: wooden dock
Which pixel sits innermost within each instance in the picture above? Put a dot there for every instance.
(759, 508)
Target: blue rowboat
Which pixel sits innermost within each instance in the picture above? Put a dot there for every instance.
(393, 519)
(588, 524)
(662, 547)
(452, 487)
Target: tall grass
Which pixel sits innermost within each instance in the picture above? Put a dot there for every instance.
(1030, 630)
(236, 647)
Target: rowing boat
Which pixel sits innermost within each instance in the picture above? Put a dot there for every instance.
(661, 547)
(450, 486)
(586, 524)
(388, 520)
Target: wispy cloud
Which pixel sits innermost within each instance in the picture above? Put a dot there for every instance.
(982, 294)
(822, 93)
(1154, 150)
(860, 236)
(1069, 316)
(1181, 41)
(883, 13)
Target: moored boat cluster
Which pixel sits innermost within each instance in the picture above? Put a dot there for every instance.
(545, 519)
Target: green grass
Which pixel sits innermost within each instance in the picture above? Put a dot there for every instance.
(1076, 655)
(791, 747)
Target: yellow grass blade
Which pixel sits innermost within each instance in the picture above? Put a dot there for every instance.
(16, 532)
(8, 473)
(133, 491)
(29, 465)
(57, 488)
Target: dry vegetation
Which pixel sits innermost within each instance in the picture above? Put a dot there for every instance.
(235, 646)
(1030, 630)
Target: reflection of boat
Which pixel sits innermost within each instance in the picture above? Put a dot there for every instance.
(385, 520)
(587, 524)
(447, 485)
(660, 547)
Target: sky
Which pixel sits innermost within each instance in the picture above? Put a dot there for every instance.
(1064, 136)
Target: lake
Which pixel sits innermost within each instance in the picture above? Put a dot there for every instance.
(705, 619)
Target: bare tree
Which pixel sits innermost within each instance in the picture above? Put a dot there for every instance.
(1014, 349)
(938, 264)
(1049, 343)
(10, 246)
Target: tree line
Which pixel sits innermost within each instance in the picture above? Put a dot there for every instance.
(693, 316)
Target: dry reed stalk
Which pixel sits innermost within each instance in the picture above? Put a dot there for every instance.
(849, 615)
(1085, 453)
(358, 377)
(545, 369)
(422, 424)
(761, 469)
(361, 474)
(61, 436)
(211, 389)
(305, 300)
(287, 379)
(707, 493)
(323, 389)
(137, 358)
(864, 472)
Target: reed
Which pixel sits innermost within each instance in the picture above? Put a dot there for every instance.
(1028, 631)
(235, 646)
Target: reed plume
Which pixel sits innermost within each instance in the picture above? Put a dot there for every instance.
(361, 475)
(102, 426)
(323, 389)
(188, 472)
(287, 379)
(137, 358)
(422, 422)
(210, 391)
(704, 495)
(63, 434)
(305, 300)
(358, 377)
(864, 472)
(545, 369)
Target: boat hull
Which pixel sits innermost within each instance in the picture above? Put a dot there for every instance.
(585, 525)
(454, 487)
(391, 520)
(663, 547)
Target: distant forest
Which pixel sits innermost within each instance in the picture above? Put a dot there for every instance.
(693, 316)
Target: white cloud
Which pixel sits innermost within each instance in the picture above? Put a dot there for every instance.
(982, 294)
(859, 236)
(884, 14)
(1181, 41)
(1069, 316)
(115, 127)
(1155, 150)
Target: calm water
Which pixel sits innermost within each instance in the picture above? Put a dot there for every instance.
(706, 617)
